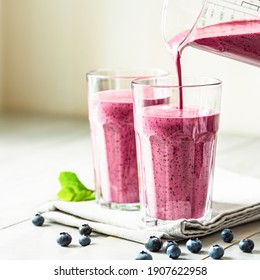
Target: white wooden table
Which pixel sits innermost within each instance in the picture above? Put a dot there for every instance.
(35, 149)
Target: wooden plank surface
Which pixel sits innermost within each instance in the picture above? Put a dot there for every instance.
(34, 149)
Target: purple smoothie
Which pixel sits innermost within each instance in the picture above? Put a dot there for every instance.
(115, 159)
(114, 144)
(178, 151)
(239, 40)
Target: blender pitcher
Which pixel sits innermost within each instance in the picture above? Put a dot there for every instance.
(230, 28)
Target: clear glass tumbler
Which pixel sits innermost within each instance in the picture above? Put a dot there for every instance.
(110, 103)
(176, 146)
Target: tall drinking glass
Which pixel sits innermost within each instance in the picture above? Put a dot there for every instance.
(176, 146)
(113, 137)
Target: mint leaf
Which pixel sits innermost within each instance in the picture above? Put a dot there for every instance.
(72, 189)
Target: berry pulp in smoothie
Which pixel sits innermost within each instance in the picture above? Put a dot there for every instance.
(178, 151)
(114, 146)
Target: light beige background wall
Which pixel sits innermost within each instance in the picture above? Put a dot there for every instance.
(1, 54)
(51, 44)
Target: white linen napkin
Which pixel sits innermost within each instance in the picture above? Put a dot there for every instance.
(236, 201)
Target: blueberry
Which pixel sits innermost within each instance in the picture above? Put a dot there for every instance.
(216, 252)
(85, 229)
(173, 252)
(168, 243)
(154, 244)
(143, 256)
(226, 235)
(38, 220)
(246, 245)
(84, 240)
(64, 239)
(194, 245)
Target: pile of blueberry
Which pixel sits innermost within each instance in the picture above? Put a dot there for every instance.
(194, 245)
(155, 244)
(65, 238)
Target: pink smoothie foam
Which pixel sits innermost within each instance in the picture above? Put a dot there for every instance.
(115, 148)
(178, 155)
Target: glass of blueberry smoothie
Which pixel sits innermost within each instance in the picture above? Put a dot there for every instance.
(176, 144)
(113, 137)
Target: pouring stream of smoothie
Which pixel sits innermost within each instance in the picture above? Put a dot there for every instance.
(239, 40)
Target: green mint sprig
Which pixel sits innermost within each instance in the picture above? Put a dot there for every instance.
(72, 189)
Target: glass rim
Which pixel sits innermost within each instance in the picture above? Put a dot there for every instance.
(201, 81)
(127, 73)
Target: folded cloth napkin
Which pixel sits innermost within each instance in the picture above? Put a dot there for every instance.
(236, 200)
